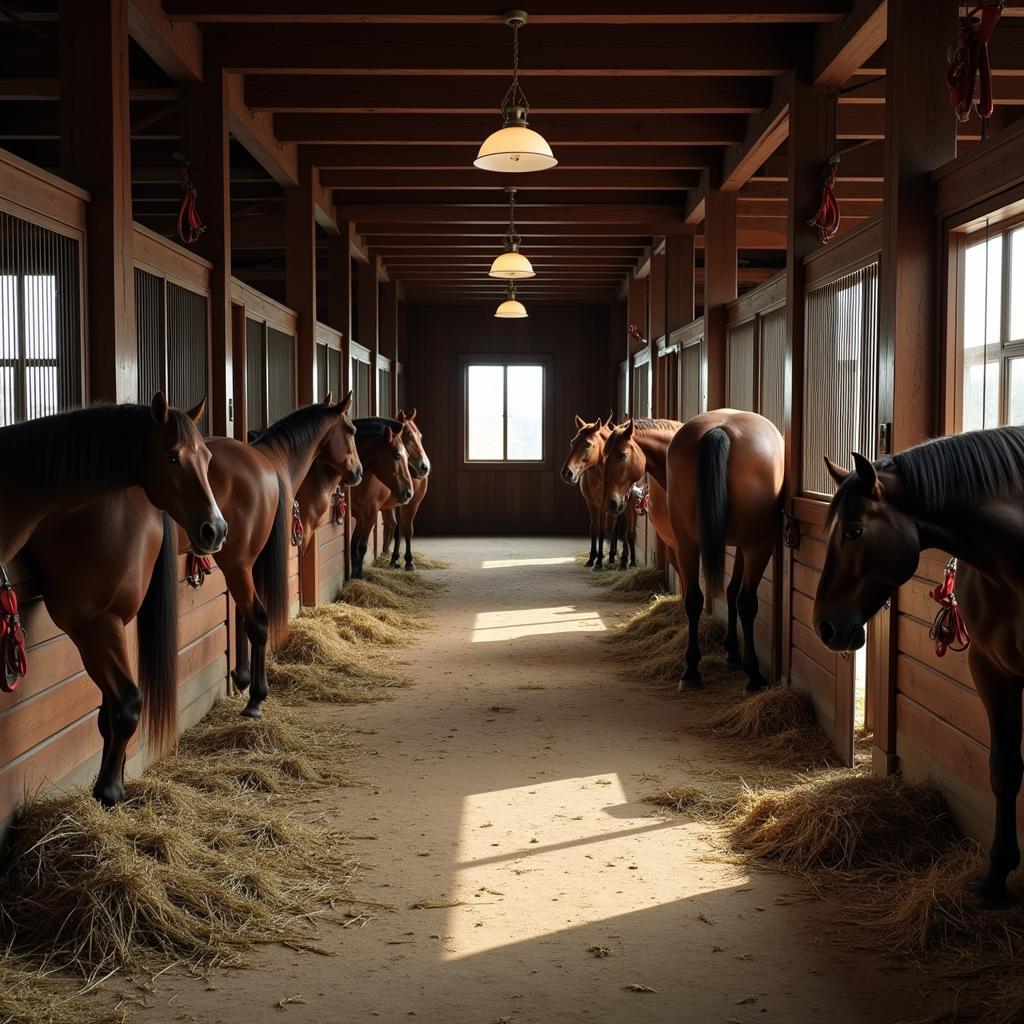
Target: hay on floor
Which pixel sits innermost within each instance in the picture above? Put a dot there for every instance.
(636, 584)
(31, 995)
(420, 562)
(694, 801)
(171, 875)
(406, 584)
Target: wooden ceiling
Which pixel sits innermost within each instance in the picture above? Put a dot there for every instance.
(644, 104)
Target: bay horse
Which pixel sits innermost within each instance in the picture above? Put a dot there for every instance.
(404, 517)
(60, 461)
(585, 467)
(962, 495)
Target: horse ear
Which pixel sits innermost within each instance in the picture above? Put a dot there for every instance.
(627, 429)
(611, 417)
(401, 417)
(834, 471)
(346, 404)
(159, 408)
(329, 398)
(195, 414)
(580, 422)
(412, 415)
(389, 434)
(865, 470)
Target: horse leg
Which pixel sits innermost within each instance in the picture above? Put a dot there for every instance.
(397, 518)
(754, 560)
(731, 641)
(599, 561)
(241, 674)
(1001, 695)
(407, 526)
(693, 604)
(612, 529)
(104, 652)
(254, 624)
(359, 546)
(593, 535)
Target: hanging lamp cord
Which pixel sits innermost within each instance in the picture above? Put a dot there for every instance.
(515, 97)
(512, 236)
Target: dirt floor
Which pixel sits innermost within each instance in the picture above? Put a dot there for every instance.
(508, 781)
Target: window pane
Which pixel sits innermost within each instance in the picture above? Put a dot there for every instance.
(8, 318)
(484, 408)
(981, 333)
(41, 391)
(1017, 285)
(1015, 393)
(525, 412)
(41, 319)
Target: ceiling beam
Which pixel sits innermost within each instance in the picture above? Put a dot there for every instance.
(841, 49)
(537, 198)
(597, 214)
(471, 179)
(765, 133)
(255, 131)
(177, 48)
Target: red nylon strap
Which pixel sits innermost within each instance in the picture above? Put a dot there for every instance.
(948, 630)
(297, 530)
(339, 506)
(970, 74)
(197, 568)
(12, 636)
(190, 224)
(828, 219)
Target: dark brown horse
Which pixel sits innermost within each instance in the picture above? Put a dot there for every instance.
(61, 461)
(403, 517)
(962, 495)
(724, 485)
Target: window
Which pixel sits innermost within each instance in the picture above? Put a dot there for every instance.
(359, 376)
(504, 412)
(641, 390)
(991, 331)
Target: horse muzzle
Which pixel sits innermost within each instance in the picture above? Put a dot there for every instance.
(404, 497)
(840, 633)
(616, 505)
(209, 538)
(570, 476)
(354, 474)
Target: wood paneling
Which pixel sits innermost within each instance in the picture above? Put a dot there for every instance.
(504, 499)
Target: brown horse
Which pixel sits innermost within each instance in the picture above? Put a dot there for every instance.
(387, 483)
(720, 481)
(963, 495)
(404, 517)
(65, 460)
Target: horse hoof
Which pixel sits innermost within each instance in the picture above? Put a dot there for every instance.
(992, 890)
(590, 562)
(410, 566)
(690, 681)
(109, 796)
(253, 711)
(597, 566)
(393, 565)
(755, 684)
(242, 680)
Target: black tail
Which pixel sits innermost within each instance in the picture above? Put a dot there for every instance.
(270, 571)
(157, 625)
(713, 504)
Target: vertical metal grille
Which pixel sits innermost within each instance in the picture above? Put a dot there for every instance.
(841, 374)
(691, 381)
(773, 364)
(322, 382)
(280, 374)
(641, 399)
(150, 323)
(741, 366)
(361, 388)
(384, 393)
(620, 397)
(670, 370)
(187, 349)
(334, 381)
(255, 382)
(40, 336)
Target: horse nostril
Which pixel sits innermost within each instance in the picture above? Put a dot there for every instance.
(407, 495)
(208, 532)
(826, 631)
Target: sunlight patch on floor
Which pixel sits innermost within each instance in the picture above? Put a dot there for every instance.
(514, 563)
(538, 859)
(516, 623)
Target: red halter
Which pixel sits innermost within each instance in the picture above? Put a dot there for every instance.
(641, 494)
(197, 568)
(190, 224)
(339, 506)
(297, 529)
(828, 219)
(12, 636)
(948, 630)
(970, 71)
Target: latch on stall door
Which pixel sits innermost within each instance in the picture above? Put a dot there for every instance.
(884, 438)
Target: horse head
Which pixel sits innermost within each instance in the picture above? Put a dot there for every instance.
(412, 438)
(339, 454)
(584, 448)
(624, 464)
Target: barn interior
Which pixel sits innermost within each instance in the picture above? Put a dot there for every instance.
(770, 206)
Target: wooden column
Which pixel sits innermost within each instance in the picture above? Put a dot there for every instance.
(205, 139)
(657, 322)
(721, 281)
(369, 321)
(300, 278)
(96, 154)
(810, 145)
(389, 339)
(339, 293)
(920, 136)
(679, 281)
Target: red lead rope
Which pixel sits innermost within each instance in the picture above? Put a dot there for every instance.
(970, 73)
(339, 506)
(190, 224)
(297, 530)
(948, 630)
(197, 568)
(827, 219)
(12, 636)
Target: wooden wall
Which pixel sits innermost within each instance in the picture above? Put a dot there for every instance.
(503, 499)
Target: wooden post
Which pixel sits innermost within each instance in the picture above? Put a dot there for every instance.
(241, 398)
(920, 136)
(680, 308)
(339, 294)
(300, 278)
(389, 341)
(657, 322)
(96, 154)
(811, 141)
(369, 321)
(721, 271)
(205, 140)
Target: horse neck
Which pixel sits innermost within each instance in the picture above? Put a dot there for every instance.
(316, 492)
(654, 442)
(295, 463)
(372, 454)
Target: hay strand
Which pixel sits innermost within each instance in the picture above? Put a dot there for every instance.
(420, 563)
(637, 584)
(31, 995)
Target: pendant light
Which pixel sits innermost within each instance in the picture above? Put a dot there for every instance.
(511, 308)
(511, 265)
(515, 147)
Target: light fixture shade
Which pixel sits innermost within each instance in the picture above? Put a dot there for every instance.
(511, 309)
(511, 266)
(515, 149)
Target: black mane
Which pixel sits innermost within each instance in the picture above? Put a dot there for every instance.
(371, 426)
(298, 430)
(100, 446)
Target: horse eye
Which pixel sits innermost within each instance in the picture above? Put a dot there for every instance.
(174, 459)
(852, 532)
(623, 456)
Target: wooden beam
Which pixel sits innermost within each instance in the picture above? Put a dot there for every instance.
(765, 133)
(255, 131)
(448, 50)
(679, 284)
(470, 129)
(300, 281)
(841, 49)
(177, 48)
(476, 199)
(597, 214)
(473, 180)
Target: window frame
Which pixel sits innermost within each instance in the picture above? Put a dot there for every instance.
(542, 360)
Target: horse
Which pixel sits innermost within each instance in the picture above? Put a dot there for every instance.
(584, 466)
(387, 483)
(404, 517)
(962, 495)
(67, 459)
(723, 475)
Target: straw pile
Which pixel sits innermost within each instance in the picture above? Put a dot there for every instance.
(421, 562)
(637, 584)
(170, 874)
(33, 996)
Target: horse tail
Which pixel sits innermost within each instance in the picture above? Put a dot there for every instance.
(157, 626)
(270, 570)
(713, 504)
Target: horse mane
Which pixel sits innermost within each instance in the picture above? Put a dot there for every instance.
(371, 426)
(963, 468)
(649, 424)
(299, 430)
(101, 445)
